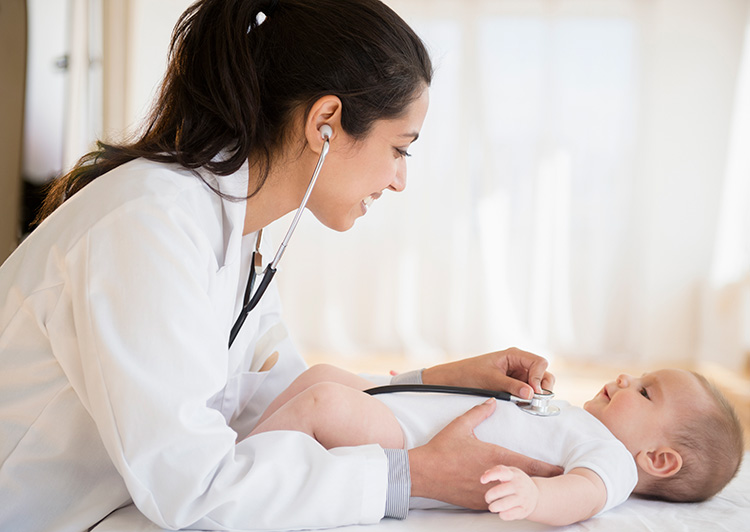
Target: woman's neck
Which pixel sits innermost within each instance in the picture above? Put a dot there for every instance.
(280, 194)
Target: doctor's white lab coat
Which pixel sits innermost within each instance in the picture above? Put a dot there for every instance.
(116, 383)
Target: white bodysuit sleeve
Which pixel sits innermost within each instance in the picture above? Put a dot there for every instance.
(151, 357)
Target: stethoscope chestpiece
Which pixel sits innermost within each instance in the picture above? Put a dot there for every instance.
(540, 405)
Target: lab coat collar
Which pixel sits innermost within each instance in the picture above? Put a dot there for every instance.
(233, 185)
(233, 189)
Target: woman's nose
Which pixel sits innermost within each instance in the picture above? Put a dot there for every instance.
(399, 182)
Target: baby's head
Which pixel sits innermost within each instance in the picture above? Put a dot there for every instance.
(685, 436)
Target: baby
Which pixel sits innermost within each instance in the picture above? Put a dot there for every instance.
(669, 435)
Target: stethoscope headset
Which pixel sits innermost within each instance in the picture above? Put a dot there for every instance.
(250, 299)
(538, 405)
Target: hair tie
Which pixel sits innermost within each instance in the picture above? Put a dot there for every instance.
(264, 12)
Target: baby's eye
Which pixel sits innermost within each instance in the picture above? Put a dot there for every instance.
(644, 393)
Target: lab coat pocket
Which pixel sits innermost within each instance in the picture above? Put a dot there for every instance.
(242, 387)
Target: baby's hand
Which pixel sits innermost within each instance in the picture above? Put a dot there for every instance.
(515, 497)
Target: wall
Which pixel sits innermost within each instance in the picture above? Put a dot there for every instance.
(12, 83)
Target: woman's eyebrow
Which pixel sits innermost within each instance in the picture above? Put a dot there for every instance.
(413, 136)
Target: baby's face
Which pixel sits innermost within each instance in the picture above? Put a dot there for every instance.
(641, 411)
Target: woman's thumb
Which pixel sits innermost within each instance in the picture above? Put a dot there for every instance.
(479, 413)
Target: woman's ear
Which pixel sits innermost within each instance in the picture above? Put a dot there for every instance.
(325, 111)
(662, 462)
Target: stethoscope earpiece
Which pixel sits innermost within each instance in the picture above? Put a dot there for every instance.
(326, 131)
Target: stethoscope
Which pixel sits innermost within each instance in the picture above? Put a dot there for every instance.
(250, 299)
(538, 405)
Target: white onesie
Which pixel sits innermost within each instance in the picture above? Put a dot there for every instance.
(572, 439)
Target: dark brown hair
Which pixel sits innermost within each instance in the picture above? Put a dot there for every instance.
(232, 83)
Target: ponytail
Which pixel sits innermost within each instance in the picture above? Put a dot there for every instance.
(234, 79)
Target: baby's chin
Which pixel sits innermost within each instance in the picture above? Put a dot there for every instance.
(591, 407)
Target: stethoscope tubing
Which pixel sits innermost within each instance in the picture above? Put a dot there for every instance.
(538, 405)
(435, 388)
(268, 274)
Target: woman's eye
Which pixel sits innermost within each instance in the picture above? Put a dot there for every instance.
(402, 153)
(644, 393)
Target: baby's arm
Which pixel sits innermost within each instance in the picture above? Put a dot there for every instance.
(562, 500)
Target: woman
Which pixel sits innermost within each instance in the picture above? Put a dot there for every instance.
(116, 383)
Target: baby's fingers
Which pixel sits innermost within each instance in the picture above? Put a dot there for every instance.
(498, 473)
(498, 492)
(510, 508)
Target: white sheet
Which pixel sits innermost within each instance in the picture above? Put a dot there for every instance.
(729, 511)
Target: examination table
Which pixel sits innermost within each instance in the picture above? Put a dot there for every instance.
(728, 511)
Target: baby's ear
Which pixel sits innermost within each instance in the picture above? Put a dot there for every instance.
(662, 462)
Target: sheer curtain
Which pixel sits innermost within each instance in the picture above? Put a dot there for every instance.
(580, 188)
(565, 195)
(725, 334)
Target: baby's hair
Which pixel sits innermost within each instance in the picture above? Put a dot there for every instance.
(711, 444)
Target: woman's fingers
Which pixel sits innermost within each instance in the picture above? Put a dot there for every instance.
(512, 370)
(449, 467)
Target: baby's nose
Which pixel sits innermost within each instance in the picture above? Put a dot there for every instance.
(623, 381)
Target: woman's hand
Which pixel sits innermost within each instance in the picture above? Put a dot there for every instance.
(449, 467)
(512, 370)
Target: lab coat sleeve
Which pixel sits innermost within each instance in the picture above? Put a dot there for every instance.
(152, 352)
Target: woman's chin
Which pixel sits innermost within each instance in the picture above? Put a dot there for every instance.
(339, 224)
